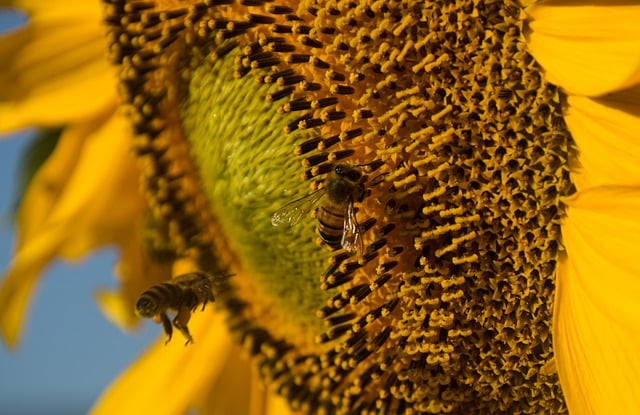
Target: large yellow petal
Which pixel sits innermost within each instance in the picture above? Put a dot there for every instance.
(607, 139)
(171, 379)
(597, 316)
(587, 50)
(234, 391)
(51, 9)
(137, 270)
(16, 289)
(239, 390)
(55, 71)
(116, 308)
(74, 213)
(49, 182)
(101, 200)
(277, 405)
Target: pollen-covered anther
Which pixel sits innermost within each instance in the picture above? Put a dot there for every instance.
(280, 94)
(341, 89)
(292, 79)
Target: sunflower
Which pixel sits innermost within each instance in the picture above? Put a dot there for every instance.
(489, 207)
(56, 76)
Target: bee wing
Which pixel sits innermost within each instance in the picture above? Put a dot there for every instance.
(378, 179)
(351, 239)
(292, 212)
(188, 278)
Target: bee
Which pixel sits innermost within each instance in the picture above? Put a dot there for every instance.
(336, 216)
(183, 294)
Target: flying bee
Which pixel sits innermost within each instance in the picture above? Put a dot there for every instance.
(336, 216)
(183, 294)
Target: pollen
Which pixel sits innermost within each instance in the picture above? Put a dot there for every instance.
(244, 106)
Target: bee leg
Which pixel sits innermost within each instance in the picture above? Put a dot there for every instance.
(180, 322)
(166, 324)
(209, 297)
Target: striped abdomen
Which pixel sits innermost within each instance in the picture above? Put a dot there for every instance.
(331, 218)
(159, 298)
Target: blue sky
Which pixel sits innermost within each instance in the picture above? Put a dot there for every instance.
(69, 352)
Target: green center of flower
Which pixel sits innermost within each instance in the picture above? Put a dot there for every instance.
(248, 170)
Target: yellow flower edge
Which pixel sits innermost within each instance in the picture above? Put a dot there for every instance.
(587, 49)
(596, 324)
(52, 80)
(65, 211)
(170, 376)
(596, 320)
(605, 129)
(55, 69)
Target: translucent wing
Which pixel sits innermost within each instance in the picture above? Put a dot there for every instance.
(188, 278)
(351, 239)
(378, 179)
(292, 212)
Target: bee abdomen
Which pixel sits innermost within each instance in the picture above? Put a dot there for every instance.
(330, 226)
(163, 295)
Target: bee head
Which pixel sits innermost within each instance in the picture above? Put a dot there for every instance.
(146, 307)
(348, 172)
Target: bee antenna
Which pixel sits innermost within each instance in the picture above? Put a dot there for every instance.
(224, 276)
(378, 179)
(374, 165)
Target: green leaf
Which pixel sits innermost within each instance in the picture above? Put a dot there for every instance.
(35, 155)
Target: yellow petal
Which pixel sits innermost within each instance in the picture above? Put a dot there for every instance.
(170, 379)
(116, 309)
(276, 405)
(607, 141)
(74, 212)
(50, 9)
(239, 390)
(39, 241)
(234, 391)
(587, 50)
(49, 181)
(16, 289)
(54, 71)
(597, 316)
(136, 271)
(101, 199)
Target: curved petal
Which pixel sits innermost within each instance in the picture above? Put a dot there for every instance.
(69, 210)
(116, 308)
(277, 405)
(170, 379)
(587, 50)
(105, 173)
(597, 316)
(37, 243)
(607, 141)
(54, 71)
(235, 390)
(52, 9)
(136, 271)
(238, 390)
(16, 289)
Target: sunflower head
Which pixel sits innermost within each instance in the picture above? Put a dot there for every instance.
(452, 153)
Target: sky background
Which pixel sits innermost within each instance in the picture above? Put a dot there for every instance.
(69, 352)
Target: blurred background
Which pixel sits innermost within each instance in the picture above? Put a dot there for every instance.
(69, 352)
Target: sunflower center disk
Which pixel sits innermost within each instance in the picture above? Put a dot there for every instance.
(245, 106)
